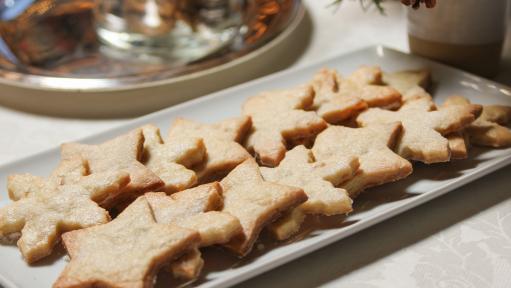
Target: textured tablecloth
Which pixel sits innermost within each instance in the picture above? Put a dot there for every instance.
(462, 239)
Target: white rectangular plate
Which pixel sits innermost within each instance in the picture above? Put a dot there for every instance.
(426, 183)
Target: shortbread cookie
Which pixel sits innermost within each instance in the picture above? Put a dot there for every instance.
(403, 81)
(223, 151)
(458, 144)
(366, 83)
(279, 119)
(458, 141)
(69, 171)
(418, 93)
(489, 128)
(372, 146)
(194, 209)
(43, 215)
(332, 103)
(288, 224)
(22, 185)
(317, 179)
(172, 160)
(188, 266)
(119, 154)
(255, 202)
(423, 129)
(126, 252)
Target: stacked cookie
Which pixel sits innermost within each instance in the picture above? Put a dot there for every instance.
(129, 207)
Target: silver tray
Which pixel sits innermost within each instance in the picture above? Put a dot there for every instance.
(100, 83)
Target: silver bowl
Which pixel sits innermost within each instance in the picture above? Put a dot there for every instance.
(105, 68)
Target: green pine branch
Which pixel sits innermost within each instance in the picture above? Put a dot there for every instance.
(365, 4)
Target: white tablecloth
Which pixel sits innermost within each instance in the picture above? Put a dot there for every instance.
(460, 240)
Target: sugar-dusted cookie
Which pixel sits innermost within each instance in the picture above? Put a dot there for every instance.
(330, 101)
(317, 179)
(119, 154)
(489, 128)
(172, 160)
(422, 138)
(255, 202)
(193, 209)
(69, 171)
(403, 81)
(188, 266)
(372, 146)
(43, 215)
(126, 252)
(458, 144)
(418, 93)
(366, 83)
(223, 151)
(21, 185)
(279, 119)
(458, 141)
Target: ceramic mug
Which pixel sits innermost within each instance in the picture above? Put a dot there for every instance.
(468, 34)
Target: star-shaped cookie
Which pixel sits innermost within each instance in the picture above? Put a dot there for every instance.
(223, 151)
(255, 202)
(458, 141)
(489, 128)
(188, 266)
(278, 120)
(318, 180)
(330, 102)
(194, 209)
(373, 146)
(172, 160)
(69, 171)
(126, 252)
(422, 138)
(458, 144)
(405, 80)
(122, 154)
(43, 215)
(418, 93)
(366, 83)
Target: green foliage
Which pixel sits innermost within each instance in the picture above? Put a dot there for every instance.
(366, 4)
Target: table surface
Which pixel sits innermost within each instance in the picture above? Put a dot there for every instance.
(462, 239)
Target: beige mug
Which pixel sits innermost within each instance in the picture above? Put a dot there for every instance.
(468, 34)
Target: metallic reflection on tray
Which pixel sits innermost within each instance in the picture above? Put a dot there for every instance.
(52, 44)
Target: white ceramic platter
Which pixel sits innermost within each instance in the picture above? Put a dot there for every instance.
(426, 183)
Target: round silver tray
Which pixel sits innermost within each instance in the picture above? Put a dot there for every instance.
(101, 84)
